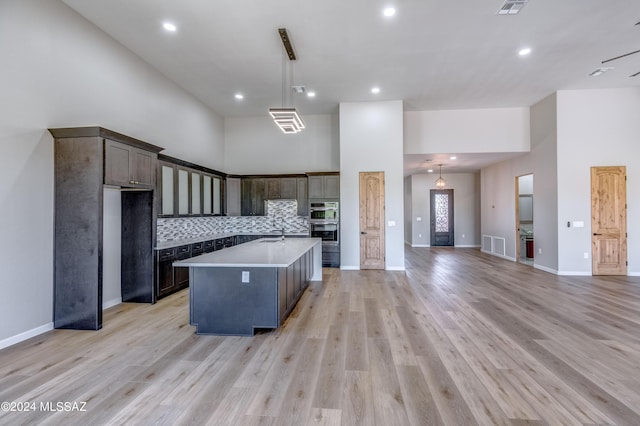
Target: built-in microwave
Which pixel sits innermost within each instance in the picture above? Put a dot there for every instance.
(323, 211)
(328, 231)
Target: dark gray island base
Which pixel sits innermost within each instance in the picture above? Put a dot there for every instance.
(251, 286)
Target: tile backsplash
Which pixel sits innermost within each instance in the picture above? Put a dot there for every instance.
(280, 214)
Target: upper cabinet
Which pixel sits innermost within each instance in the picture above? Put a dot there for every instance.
(257, 189)
(281, 188)
(253, 196)
(128, 166)
(188, 189)
(324, 185)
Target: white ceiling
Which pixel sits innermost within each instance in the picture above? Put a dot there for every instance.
(433, 54)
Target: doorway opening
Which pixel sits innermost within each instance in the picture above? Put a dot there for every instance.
(442, 217)
(525, 247)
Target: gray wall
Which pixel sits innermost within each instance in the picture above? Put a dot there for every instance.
(255, 145)
(408, 210)
(498, 190)
(59, 70)
(595, 128)
(371, 141)
(466, 204)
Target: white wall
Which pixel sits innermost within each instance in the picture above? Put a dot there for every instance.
(255, 145)
(466, 205)
(498, 190)
(467, 131)
(371, 141)
(58, 70)
(408, 209)
(595, 128)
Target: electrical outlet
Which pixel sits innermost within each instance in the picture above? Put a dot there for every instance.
(586, 255)
(539, 250)
(462, 235)
(245, 277)
(419, 235)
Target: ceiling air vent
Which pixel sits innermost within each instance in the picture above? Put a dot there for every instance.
(512, 7)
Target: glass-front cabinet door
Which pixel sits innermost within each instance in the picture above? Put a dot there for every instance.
(167, 188)
(217, 196)
(183, 192)
(186, 191)
(207, 195)
(196, 193)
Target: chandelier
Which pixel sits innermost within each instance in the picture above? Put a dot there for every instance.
(286, 118)
(440, 182)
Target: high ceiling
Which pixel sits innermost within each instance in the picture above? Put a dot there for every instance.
(433, 54)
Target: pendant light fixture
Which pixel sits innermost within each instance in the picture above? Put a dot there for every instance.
(440, 182)
(286, 118)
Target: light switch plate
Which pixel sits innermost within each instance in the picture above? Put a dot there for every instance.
(392, 223)
(578, 224)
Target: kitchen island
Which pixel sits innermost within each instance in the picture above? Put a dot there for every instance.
(249, 286)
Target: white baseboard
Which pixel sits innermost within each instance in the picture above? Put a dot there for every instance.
(9, 341)
(420, 245)
(633, 274)
(575, 273)
(349, 268)
(112, 302)
(546, 269)
(469, 245)
(394, 268)
(513, 259)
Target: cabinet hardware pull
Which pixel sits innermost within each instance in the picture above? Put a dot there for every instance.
(363, 233)
(596, 234)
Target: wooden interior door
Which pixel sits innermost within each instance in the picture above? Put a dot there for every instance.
(442, 217)
(372, 220)
(609, 220)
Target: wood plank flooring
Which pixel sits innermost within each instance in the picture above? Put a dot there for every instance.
(461, 338)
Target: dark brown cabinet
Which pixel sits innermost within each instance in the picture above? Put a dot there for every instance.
(164, 271)
(186, 189)
(255, 190)
(324, 186)
(253, 196)
(281, 188)
(302, 196)
(127, 166)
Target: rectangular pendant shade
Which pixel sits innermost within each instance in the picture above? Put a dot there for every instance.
(287, 119)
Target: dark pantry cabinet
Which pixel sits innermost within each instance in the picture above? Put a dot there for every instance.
(85, 159)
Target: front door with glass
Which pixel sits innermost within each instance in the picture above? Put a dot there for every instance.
(442, 217)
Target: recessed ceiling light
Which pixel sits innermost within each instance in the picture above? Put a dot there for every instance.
(430, 171)
(453, 157)
(239, 96)
(524, 52)
(389, 11)
(375, 90)
(169, 26)
(311, 94)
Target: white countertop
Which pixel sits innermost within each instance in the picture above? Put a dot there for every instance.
(265, 252)
(183, 241)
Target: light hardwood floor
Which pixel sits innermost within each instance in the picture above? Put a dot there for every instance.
(461, 338)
